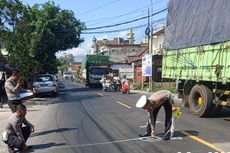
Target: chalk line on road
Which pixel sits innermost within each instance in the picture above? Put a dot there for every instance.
(144, 139)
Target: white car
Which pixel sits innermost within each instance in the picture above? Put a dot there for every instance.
(67, 75)
(45, 83)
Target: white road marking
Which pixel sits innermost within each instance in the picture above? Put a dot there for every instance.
(145, 139)
(127, 106)
(96, 144)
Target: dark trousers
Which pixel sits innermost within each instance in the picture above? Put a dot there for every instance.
(168, 116)
(13, 103)
(15, 142)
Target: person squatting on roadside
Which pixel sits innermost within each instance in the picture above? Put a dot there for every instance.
(18, 134)
(152, 105)
(13, 88)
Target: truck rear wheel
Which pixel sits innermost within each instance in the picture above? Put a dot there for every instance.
(200, 101)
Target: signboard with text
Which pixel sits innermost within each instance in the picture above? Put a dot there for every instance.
(147, 65)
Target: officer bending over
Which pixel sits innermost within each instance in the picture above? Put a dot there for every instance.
(152, 105)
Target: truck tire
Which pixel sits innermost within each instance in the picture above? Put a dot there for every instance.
(200, 101)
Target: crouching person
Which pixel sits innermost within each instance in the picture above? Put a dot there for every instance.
(17, 134)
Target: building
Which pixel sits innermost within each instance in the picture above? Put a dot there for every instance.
(75, 67)
(118, 49)
(157, 50)
(157, 41)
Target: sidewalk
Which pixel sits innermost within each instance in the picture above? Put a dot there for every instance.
(5, 112)
(33, 116)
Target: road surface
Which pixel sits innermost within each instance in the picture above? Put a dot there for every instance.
(84, 120)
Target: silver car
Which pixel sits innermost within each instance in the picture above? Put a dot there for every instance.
(45, 83)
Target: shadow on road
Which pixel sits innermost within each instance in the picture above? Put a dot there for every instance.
(180, 134)
(45, 146)
(52, 131)
(225, 112)
(80, 89)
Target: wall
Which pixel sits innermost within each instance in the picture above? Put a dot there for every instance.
(158, 43)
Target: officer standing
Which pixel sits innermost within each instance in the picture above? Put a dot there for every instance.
(152, 105)
(13, 88)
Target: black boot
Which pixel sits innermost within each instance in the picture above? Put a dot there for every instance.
(167, 135)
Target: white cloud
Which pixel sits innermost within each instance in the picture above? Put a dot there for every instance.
(79, 51)
(102, 37)
(122, 34)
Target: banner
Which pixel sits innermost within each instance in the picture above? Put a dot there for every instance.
(147, 65)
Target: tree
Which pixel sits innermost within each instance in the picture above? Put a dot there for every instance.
(40, 32)
(65, 62)
(56, 30)
(10, 12)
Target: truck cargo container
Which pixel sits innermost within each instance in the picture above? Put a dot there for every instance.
(197, 53)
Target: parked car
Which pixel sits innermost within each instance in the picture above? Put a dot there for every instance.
(45, 83)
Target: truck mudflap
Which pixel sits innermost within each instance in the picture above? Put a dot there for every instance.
(221, 93)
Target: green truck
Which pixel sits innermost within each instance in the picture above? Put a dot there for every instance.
(93, 68)
(197, 54)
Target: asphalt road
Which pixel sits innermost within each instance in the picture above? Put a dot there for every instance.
(84, 120)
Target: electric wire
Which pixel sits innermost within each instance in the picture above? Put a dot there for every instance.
(99, 7)
(127, 22)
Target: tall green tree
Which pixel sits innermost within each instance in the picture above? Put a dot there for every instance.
(40, 32)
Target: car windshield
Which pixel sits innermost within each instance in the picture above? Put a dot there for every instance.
(43, 78)
(99, 71)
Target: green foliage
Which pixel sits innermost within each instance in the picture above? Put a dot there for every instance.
(64, 62)
(38, 33)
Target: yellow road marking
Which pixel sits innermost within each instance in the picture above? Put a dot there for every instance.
(203, 142)
(100, 94)
(127, 106)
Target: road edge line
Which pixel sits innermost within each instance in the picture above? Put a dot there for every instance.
(203, 142)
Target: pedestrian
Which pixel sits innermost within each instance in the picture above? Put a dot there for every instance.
(17, 134)
(13, 89)
(152, 105)
(103, 82)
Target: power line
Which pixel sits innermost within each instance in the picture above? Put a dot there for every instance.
(128, 13)
(106, 4)
(112, 19)
(118, 24)
(124, 29)
(115, 17)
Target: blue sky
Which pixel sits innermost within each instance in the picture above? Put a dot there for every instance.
(96, 13)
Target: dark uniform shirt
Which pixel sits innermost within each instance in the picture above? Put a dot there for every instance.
(14, 126)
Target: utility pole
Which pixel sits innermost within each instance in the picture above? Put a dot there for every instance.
(150, 44)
